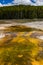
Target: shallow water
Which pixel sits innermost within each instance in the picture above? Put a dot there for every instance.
(36, 24)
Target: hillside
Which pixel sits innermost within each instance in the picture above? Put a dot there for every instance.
(21, 12)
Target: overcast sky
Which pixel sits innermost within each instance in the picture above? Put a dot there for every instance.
(26, 2)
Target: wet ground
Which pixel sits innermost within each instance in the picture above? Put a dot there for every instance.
(11, 38)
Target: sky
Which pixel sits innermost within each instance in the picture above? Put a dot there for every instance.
(17, 2)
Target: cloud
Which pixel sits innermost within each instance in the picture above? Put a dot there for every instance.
(1, 5)
(29, 2)
(39, 2)
(26, 2)
(21, 1)
(8, 4)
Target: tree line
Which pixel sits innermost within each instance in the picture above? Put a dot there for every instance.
(21, 12)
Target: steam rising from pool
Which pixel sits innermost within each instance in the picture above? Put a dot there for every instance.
(40, 37)
(2, 35)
